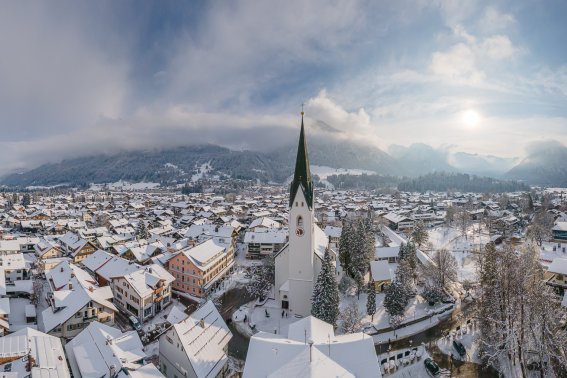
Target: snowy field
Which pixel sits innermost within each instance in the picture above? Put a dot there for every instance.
(462, 247)
(204, 169)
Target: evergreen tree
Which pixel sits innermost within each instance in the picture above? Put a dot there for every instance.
(26, 200)
(345, 246)
(371, 301)
(396, 299)
(142, 231)
(325, 300)
(362, 252)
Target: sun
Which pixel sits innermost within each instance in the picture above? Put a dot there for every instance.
(471, 118)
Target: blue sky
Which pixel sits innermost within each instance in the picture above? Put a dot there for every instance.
(87, 77)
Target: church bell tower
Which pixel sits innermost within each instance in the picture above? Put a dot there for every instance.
(301, 230)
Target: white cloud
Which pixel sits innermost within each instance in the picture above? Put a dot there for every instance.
(498, 47)
(493, 20)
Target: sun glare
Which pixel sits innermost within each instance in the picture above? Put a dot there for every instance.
(471, 118)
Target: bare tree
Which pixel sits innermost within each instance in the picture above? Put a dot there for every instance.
(540, 228)
(420, 235)
(37, 291)
(450, 214)
(444, 270)
(463, 220)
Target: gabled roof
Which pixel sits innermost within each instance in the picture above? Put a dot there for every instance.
(204, 335)
(351, 355)
(99, 346)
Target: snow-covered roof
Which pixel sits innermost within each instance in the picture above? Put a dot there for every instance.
(204, 253)
(109, 266)
(385, 252)
(204, 335)
(176, 315)
(265, 222)
(47, 353)
(99, 346)
(266, 236)
(334, 232)
(559, 266)
(382, 270)
(144, 281)
(271, 355)
(560, 226)
(398, 240)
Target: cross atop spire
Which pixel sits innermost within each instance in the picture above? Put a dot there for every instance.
(302, 175)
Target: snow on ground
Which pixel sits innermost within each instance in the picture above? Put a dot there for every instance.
(323, 172)
(17, 317)
(268, 317)
(409, 364)
(124, 185)
(416, 308)
(402, 333)
(204, 169)
(450, 238)
(468, 336)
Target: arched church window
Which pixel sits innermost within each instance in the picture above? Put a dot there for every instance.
(300, 221)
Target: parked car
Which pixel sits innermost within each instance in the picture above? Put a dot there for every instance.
(135, 323)
(431, 366)
(459, 347)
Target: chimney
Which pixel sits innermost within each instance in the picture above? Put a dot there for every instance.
(61, 269)
(310, 350)
(70, 286)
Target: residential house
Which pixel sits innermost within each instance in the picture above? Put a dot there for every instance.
(143, 293)
(31, 353)
(74, 300)
(106, 352)
(197, 270)
(197, 346)
(264, 241)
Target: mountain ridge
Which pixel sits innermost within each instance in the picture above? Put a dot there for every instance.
(543, 166)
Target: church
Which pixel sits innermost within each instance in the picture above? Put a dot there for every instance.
(299, 262)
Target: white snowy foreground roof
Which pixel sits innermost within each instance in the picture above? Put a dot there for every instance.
(46, 351)
(99, 346)
(271, 355)
(204, 335)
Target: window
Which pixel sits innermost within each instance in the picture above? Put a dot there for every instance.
(300, 221)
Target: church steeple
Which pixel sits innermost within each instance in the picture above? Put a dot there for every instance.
(302, 175)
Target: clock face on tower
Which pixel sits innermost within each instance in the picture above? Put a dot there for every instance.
(299, 232)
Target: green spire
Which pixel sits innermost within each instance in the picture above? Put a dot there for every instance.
(302, 175)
